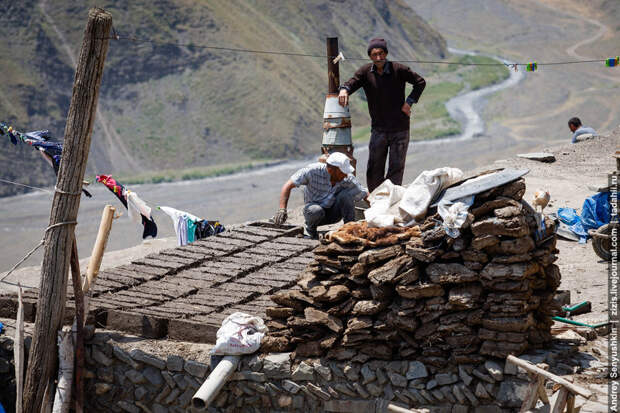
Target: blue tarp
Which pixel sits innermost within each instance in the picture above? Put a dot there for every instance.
(595, 213)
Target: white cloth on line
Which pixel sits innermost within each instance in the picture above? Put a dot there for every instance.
(136, 207)
(179, 220)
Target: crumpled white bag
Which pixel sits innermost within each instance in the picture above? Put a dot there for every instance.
(383, 211)
(420, 192)
(396, 205)
(454, 215)
(240, 333)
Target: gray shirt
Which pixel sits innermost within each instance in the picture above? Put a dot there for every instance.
(582, 131)
(318, 188)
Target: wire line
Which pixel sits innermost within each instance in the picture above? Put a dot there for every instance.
(296, 54)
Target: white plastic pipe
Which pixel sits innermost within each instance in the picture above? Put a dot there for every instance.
(214, 382)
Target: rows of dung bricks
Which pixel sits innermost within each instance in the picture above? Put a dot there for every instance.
(242, 281)
(145, 282)
(172, 262)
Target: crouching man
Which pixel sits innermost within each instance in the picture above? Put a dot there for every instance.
(329, 193)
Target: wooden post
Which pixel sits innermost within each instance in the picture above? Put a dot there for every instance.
(333, 69)
(18, 350)
(59, 236)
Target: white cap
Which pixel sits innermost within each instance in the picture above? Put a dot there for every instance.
(341, 161)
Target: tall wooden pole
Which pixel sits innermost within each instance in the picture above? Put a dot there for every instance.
(59, 237)
(333, 69)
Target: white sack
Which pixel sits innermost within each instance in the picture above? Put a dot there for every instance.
(240, 333)
(396, 205)
(384, 201)
(419, 194)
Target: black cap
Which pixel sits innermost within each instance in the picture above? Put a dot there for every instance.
(377, 43)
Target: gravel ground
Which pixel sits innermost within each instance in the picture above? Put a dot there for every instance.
(578, 170)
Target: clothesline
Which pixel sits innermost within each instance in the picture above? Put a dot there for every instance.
(530, 66)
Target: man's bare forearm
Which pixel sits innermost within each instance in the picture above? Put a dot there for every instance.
(285, 193)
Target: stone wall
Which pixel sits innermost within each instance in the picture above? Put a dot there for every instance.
(123, 375)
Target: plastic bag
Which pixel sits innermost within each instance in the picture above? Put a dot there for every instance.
(240, 333)
(454, 215)
(595, 213)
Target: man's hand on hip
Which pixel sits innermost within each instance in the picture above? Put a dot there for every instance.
(406, 109)
(343, 97)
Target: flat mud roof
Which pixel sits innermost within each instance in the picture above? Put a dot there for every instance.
(184, 293)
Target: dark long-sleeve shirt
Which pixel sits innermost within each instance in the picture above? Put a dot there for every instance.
(386, 93)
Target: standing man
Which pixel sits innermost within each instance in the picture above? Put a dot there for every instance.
(329, 193)
(384, 83)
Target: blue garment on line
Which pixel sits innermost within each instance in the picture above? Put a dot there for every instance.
(191, 230)
(1, 328)
(595, 213)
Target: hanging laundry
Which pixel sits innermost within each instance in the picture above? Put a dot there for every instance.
(612, 61)
(179, 222)
(531, 67)
(189, 227)
(135, 205)
(206, 229)
(40, 140)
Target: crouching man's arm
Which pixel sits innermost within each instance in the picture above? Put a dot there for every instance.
(285, 193)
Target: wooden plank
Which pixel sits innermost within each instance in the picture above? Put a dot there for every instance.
(542, 393)
(585, 393)
(560, 402)
(139, 324)
(570, 403)
(187, 330)
(531, 394)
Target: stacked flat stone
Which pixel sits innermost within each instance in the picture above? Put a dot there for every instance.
(417, 294)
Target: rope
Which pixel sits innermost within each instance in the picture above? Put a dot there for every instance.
(36, 248)
(27, 186)
(134, 39)
(60, 191)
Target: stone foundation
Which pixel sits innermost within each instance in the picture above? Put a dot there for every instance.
(127, 373)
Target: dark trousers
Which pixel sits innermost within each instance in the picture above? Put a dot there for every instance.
(380, 143)
(316, 215)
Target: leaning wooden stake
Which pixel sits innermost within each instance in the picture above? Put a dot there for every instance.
(98, 249)
(59, 235)
(18, 350)
(81, 300)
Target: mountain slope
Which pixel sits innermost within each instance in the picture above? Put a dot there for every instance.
(165, 105)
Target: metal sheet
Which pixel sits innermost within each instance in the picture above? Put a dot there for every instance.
(333, 108)
(481, 184)
(337, 136)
